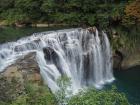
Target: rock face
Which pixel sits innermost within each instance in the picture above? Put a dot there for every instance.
(92, 29)
(131, 59)
(117, 59)
(25, 68)
(126, 59)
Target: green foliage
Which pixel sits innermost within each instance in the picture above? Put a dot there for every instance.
(126, 39)
(21, 100)
(29, 7)
(118, 12)
(90, 96)
(47, 6)
(6, 4)
(91, 18)
(72, 12)
(10, 89)
(13, 16)
(63, 83)
(101, 97)
(35, 95)
(32, 94)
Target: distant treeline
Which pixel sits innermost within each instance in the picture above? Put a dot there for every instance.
(103, 13)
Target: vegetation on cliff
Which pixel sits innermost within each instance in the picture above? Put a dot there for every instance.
(104, 97)
(91, 96)
(103, 13)
(16, 93)
(28, 93)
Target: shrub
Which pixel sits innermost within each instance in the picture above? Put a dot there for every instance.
(16, 93)
(101, 97)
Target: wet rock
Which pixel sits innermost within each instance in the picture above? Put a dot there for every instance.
(17, 24)
(124, 59)
(52, 57)
(92, 29)
(26, 69)
(117, 59)
(14, 77)
(63, 37)
(48, 53)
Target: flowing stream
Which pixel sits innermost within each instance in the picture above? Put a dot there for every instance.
(83, 56)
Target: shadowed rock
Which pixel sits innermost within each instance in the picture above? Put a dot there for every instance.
(117, 59)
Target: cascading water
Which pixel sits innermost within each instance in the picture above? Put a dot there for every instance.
(83, 56)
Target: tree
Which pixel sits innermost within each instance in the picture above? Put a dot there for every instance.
(6, 4)
(29, 7)
(15, 92)
(13, 16)
(132, 11)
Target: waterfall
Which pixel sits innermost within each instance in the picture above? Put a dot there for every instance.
(83, 56)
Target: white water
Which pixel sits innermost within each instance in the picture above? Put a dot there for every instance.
(77, 53)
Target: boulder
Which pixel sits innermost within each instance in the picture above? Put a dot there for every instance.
(124, 59)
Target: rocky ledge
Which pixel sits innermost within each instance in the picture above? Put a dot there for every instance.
(25, 68)
(15, 78)
(124, 59)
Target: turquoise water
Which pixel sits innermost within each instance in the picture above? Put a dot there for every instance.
(128, 82)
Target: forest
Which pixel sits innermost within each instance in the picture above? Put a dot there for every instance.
(102, 13)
